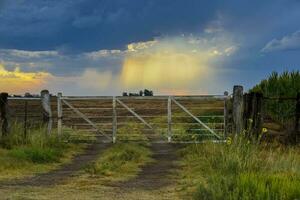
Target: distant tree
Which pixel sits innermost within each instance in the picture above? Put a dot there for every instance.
(124, 94)
(141, 93)
(133, 94)
(27, 94)
(148, 92)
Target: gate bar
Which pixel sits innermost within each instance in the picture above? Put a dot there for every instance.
(195, 118)
(86, 119)
(134, 113)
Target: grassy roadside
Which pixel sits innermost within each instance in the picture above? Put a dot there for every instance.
(240, 170)
(37, 153)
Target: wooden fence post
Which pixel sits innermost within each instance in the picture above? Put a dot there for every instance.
(237, 111)
(226, 113)
(257, 113)
(59, 114)
(297, 118)
(4, 114)
(114, 131)
(47, 113)
(169, 119)
(25, 118)
(248, 108)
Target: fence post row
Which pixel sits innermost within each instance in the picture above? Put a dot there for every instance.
(4, 113)
(59, 114)
(47, 114)
(237, 111)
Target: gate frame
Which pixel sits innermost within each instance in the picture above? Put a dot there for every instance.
(116, 99)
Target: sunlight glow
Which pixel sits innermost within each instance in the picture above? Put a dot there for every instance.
(18, 82)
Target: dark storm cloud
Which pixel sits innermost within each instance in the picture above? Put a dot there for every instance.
(262, 31)
(97, 24)
(87, 25)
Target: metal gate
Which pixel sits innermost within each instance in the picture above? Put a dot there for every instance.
(178, 119)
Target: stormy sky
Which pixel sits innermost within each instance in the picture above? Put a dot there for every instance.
(104, 47)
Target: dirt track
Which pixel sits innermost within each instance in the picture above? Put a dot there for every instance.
(154, 180)
(156, 174)
(55, 177)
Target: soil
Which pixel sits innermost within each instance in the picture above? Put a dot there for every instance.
(156, 174)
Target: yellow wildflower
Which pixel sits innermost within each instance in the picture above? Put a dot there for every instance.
(264, 130)
(229, 141)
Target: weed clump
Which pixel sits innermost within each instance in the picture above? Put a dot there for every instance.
(120, 160)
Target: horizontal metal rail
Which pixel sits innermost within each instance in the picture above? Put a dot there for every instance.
(118, 108)
(195, 97)
(149, 123)
(144, 116)
(24, 98)
(162, 129)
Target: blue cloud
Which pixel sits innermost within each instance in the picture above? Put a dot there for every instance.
(74, 27)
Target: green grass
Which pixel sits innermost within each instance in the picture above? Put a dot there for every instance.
(38, 152)
(240, 170)
(120, 161)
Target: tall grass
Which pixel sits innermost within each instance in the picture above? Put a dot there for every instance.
(241, 170)
(36, 147)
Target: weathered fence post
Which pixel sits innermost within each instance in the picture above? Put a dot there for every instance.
(25, 118)
(248, 108)
(114, 133)
(226, 113)
(237, 111)
(257, 113)
(47, 113)
(4, 113)
(253, 113)
(297, 118)
(169, 119)
(59, 114)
